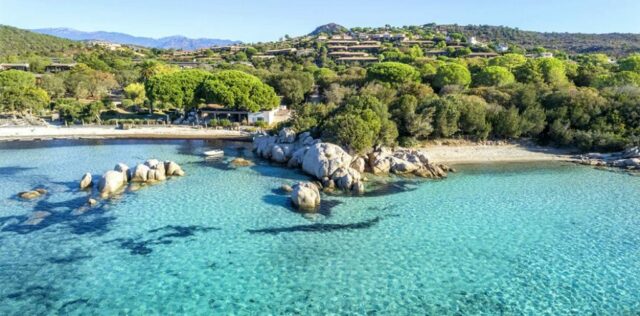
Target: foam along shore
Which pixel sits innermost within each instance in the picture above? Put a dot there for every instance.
(495, 153)
(144, 132)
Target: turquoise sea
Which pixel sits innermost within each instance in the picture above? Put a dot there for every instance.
(505, 239)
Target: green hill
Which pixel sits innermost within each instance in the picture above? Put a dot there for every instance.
(15, 41)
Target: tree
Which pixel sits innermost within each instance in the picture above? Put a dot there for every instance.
(176, 89)
(631, 63)
(151, 68)
(446, 118)
(494, 76)
(54, 85)
(135, 92)
(18, 92)
(509, 61)
(356, 132)
(412, 121)
(392, 72)
(452, 74)
(507, 123)
(473, 116)
(553, 71)
(239, 90)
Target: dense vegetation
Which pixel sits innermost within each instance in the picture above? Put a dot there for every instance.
(587, 100)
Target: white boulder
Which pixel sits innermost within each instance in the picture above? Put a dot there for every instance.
(86, 181)
(323, 159)
(305, 196)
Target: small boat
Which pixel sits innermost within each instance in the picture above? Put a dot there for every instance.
(214, 153)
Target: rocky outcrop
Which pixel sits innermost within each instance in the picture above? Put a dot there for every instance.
(405, 161)
(305, 196)
(86, 181)
(153, 170)
(140, 173)
(334, 167)
(323, 159)
(111, 182)
(173, 169)
(628, 159)
(121, 167)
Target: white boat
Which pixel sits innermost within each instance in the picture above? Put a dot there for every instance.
(214, 153)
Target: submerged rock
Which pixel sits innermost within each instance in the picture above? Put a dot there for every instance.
(86, 181)
(33, 194)
(345, 178)
(286, 188)
(241, 162)
(36, 218)
(305, 196)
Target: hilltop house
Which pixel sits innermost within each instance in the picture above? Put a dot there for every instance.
(59, 67)
(23, 67)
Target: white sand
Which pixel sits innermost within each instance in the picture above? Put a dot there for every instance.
(48, 132)
(472, 154)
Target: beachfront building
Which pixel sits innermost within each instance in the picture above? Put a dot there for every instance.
(23, 67)
(270, 117)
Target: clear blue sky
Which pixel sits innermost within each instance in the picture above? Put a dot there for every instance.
(263, 20)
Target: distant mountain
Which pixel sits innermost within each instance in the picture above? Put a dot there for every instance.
(171, 42)
(15, 41)
(329, 29)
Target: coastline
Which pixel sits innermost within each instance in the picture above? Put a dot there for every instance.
(447, 151)
(28, 133)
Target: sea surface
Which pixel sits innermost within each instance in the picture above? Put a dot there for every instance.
(501, 239)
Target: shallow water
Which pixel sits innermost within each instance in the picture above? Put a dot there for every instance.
(548, 238)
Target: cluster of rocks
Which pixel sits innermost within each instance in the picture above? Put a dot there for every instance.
(334, 168)
(113, 181)
(628, 159)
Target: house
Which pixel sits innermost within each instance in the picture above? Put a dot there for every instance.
(358, 59)
(502, 48)
(283, 51)
(23, 67)
(482, 55)
(545, 55)
(59, 67)
(305, 52)
(270, 117)
(105, 44)
(348, 54)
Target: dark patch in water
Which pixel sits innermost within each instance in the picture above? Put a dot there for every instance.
(72, 258)
(317, 228)
(70, 306)
(143, 247)
(13, 170)
(391, 187)
(39, 295)
(94, 221)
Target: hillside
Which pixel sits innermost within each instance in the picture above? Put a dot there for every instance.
(14, 41)
(614, 44)
(171, 42)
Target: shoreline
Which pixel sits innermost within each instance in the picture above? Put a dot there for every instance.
(39, 133)
(443, 151)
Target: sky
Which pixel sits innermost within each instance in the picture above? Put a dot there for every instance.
(265, 20)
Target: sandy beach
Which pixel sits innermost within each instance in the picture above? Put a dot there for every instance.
(478, 153)
(164, 132)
